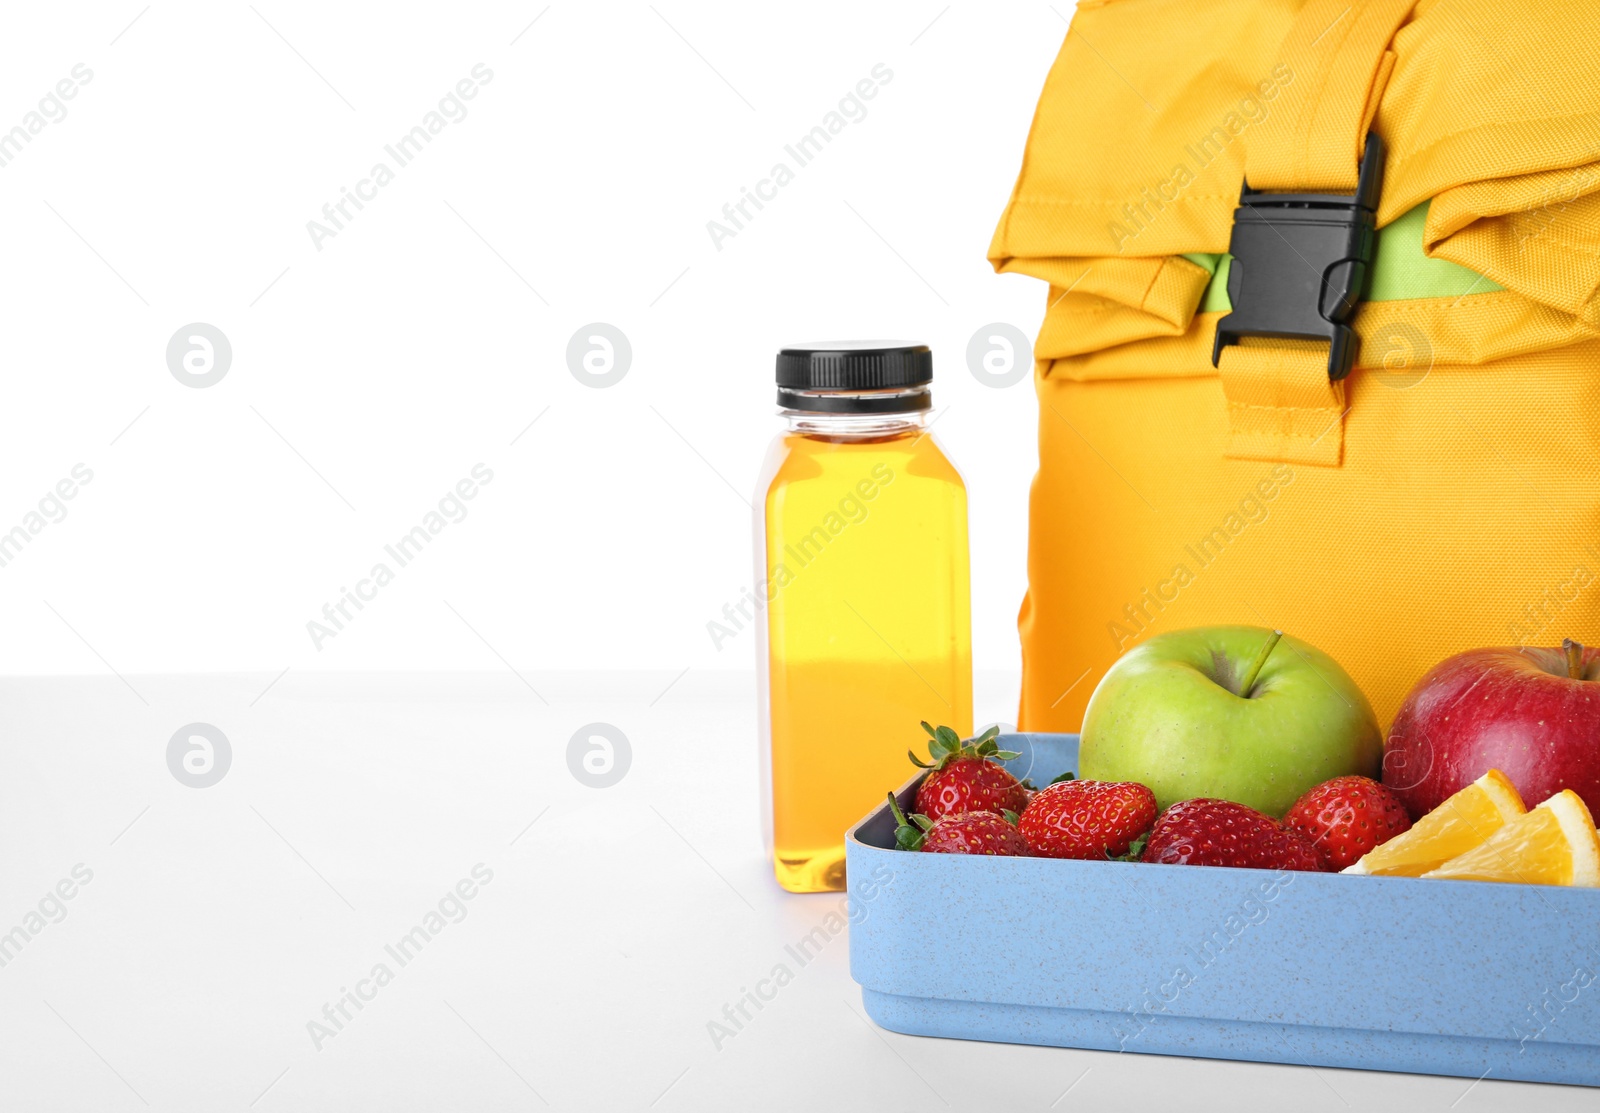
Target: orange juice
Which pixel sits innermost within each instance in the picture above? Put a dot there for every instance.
(866, 589)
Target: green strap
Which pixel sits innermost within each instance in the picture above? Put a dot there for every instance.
(1400, 269)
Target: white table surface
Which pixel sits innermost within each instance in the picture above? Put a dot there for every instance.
(584, 975)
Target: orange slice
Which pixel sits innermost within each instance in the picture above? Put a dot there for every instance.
(1555, 844)
(1462, 822)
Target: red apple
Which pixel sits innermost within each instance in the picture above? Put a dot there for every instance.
(1533, 714)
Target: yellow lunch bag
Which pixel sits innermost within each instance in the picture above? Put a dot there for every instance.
(1322, 344)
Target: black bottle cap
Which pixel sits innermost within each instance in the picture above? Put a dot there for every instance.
(855, 377)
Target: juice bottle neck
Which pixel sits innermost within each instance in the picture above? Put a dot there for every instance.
(854, 426)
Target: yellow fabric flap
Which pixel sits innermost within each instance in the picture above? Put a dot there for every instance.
(1100, 303)
(1138, 149)
(1281, 405)
(1133, 150)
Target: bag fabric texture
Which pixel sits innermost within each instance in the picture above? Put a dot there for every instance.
(1444, 496)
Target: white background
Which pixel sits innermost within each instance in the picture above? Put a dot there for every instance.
(370, 376)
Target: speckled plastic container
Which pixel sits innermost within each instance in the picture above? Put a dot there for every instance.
(1400, 974)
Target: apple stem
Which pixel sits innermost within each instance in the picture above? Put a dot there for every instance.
(1262, 654)
(1574, 653)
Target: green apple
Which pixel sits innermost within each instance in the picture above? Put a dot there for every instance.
(1235, 712)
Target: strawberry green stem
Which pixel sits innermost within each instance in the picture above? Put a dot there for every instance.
(894, 808)
(1254, 671)
(1574, 653)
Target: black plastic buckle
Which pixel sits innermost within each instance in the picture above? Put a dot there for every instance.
(1301, 263)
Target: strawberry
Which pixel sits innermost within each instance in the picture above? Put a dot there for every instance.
(959, 833)
(1087, 819)
(1207, 832)
(1346, 817)
(967, 776)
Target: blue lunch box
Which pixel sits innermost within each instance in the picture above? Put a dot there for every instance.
(1437, 977)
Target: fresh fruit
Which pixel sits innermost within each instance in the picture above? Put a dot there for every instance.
(1533, 714)
(1347, 817)
(1224, 833)
(967, 776)
(1462, 822)
(1555, 844)
(1087, 819)
(958, 833)
(1230, 712)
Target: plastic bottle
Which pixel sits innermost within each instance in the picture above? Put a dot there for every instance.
(861, 542)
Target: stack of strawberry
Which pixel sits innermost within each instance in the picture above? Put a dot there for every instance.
(971, 804)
